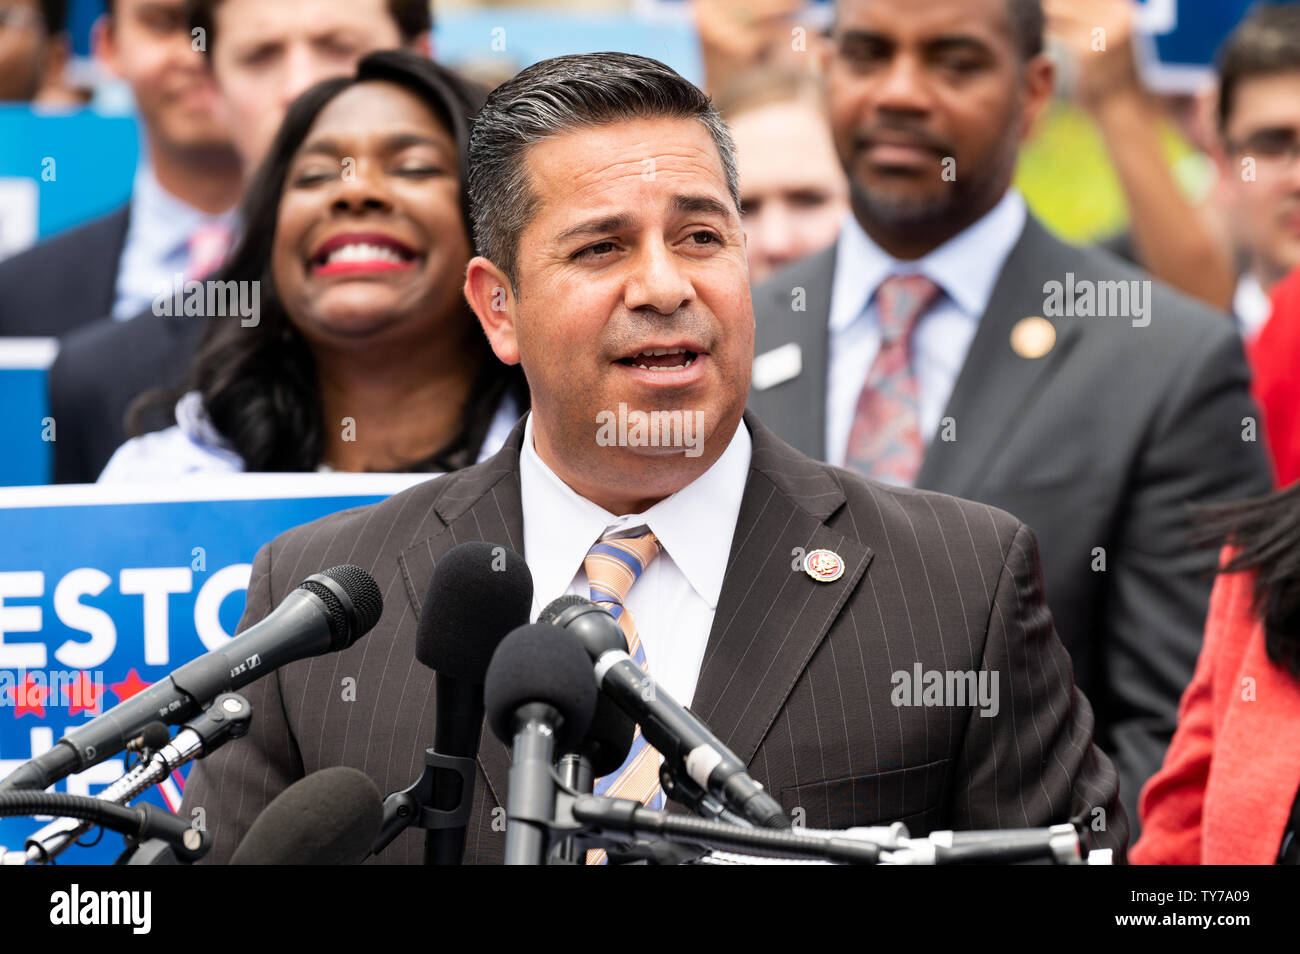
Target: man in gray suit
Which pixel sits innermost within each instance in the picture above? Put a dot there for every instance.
(872, 654)
(1049, 381)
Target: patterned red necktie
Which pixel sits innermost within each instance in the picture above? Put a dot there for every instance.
(885, 442)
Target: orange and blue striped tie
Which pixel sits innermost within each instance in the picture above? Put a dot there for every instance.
(612, 567)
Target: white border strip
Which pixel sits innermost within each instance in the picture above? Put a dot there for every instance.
(211, 487)
(27, 354)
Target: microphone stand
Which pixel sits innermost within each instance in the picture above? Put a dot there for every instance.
(575, 773)
(227, 718)
(592, 821)
(143, 822)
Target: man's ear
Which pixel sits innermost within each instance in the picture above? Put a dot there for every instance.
(1040, 86)
(103, 45)
(488, 292)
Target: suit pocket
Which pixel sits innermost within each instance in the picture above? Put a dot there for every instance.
(912, 795)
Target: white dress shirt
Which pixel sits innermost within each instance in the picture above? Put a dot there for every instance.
(1251, 306)
(674, 600)
(966, 268)
(156, 248)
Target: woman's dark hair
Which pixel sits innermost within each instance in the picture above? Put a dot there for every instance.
(259, 383)
(1266, 535)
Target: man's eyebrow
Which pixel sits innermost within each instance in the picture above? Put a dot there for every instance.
(938, 44)
(598, 226)
(957, 43)
(864, 36)
(701, 205)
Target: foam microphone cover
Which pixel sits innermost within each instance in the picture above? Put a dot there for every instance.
(331, 817)
(541, 663)
(478, 593)
(154, 736)
(609, 739)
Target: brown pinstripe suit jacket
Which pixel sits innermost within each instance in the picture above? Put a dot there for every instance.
(797, 677)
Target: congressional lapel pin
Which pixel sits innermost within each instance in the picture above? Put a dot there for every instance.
(1033, 337)
(824, 566)
(777, 366)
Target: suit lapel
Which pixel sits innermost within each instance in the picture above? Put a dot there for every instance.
(995, 382)
(797, 406)
(483, 504)
(771, 614)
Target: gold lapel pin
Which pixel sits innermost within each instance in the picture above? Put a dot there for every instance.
(1033, 337)
(824, 566)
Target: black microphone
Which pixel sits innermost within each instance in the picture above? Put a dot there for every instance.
(608, 741)
(683, 739)
(478, 593)
(328, 818)
(327, 612)
(540, 698)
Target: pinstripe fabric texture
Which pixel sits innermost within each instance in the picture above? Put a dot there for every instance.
(799, 677)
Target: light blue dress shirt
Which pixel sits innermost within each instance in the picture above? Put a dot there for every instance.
(966, 268)
(157, 243)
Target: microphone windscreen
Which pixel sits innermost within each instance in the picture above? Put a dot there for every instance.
(558, 605)
(610, 737)
(541, 663)
(331, 817)
(478, 593)
(154, 736)
(348, 624)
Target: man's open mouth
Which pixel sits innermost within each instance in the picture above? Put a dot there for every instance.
(661, 359)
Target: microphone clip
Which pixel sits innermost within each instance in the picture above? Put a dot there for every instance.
(412, 807)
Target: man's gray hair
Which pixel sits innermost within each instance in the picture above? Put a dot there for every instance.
(557, 96)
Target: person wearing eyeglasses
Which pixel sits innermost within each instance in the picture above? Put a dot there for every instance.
(1259, 123)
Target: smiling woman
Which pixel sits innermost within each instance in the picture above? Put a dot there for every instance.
(363, 354)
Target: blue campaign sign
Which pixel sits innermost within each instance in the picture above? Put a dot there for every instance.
(59, 169)
(1182, 39)
(26, 430)
(106, 589)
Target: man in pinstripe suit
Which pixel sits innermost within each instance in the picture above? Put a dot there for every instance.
(873, 654)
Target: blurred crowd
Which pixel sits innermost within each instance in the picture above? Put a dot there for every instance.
(877, 143)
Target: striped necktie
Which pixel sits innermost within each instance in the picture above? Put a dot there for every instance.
(885, 441)
(612, 567)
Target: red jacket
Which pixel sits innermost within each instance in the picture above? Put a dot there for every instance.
(1275, 362)
(1224, 793)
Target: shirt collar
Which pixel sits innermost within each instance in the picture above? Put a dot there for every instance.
(966, 266)
(165, 219)
(694, 525)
